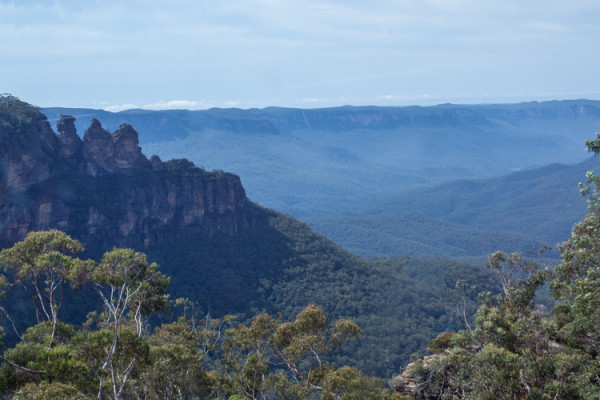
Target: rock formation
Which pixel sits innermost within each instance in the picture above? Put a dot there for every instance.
(98, 150)
(103, 188)
(70, 142)
(406, 383)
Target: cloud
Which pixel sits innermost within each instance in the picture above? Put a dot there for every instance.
(179, 104)
(132, 54)
(121, 107)
(168, 105)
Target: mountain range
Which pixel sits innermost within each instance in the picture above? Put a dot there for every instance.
(466, 219)
(381, 180)
(219, 248)
(234, 256)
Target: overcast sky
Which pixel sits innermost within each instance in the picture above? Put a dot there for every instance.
(255, 53)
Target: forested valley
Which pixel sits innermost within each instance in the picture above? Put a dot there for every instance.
(126, 277)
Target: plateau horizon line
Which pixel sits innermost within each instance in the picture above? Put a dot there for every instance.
(391, 100)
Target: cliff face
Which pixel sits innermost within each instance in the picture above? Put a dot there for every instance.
(102, 188)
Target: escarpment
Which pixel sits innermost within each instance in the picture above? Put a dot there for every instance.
(102, 188)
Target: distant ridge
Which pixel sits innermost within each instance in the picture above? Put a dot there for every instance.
(337, 118)
(467, 218)
(318, 163)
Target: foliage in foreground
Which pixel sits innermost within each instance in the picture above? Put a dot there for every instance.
(116, 355)
(517, 349)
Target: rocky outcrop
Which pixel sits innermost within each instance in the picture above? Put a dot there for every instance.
(139, 208)
(103, 188)
(70, 142)
(27, 145)
(128, 155)
(98, 149)
(156, 163)
(106, 153)
(408, 382)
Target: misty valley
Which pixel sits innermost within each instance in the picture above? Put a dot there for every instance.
(279, 253)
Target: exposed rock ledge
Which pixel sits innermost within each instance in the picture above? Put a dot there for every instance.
(103, 187)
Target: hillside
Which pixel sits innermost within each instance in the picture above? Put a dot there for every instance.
(416, 234)
(323, 161)
(468, 218)
(358, 175)
(218, 247)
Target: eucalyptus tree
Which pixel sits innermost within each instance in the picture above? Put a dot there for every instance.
(517, 349)
(42, 263)
(131, 289)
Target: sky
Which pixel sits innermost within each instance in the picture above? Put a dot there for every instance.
(197, 54)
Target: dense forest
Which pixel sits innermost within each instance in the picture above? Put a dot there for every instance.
(220, 250)
(115, 354)
(248, 303)
(516, 347)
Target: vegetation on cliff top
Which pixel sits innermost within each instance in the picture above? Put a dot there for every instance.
(516, 348)
(116, 354)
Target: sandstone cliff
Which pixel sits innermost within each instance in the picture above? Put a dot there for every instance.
(102, 188)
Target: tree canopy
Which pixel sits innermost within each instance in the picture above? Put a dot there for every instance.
(518, 348)
(117, 354)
